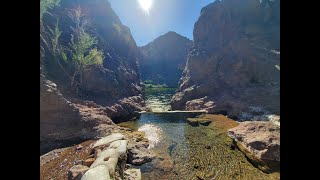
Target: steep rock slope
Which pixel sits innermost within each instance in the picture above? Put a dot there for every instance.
(119, 77)
(236, 47)
(164, 59)
(67, 116)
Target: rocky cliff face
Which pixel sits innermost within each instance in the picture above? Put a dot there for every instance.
(66, 115)
(164, 59)
(119, 77)
(236, 47)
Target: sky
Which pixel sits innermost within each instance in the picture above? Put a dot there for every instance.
(162, 16)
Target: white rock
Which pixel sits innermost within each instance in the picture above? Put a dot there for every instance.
(111, 163)
(97, 173)
(108, 139)
(120, 146)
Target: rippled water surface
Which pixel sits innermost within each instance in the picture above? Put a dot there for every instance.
(158, 99)
(187, 152)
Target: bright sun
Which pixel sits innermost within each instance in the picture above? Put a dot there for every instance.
(145, 5)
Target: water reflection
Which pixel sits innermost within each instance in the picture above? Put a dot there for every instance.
(153, 133)
(186, 152)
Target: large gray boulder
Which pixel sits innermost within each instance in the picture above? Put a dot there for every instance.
(262, 138)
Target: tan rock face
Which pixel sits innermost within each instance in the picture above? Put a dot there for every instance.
(62, 121)
(260, 138)
(236, 47)
(200, 104)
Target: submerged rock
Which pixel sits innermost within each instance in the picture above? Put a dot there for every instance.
(197, 121)
(139, 155)
(192, 121)
(260, 138)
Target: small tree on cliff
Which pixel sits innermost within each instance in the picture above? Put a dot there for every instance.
(82, 53)
(79, 53)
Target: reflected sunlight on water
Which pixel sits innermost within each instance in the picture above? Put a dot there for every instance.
(153, 133)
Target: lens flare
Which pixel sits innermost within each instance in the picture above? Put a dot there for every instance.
(145, 5)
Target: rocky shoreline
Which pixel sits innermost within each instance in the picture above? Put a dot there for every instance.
(105, 158)
(258, 140)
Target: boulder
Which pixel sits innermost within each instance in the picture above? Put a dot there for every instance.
(127, 108)
(109, 158)
(258, 137)
(108, 139)
(200, 104)
(192, 121)
(97, 173)
(76, 172)
(121, 147)
(197, 121)
(132, 174)
(139, 155)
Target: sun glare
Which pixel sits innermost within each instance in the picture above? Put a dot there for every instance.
(145, 5)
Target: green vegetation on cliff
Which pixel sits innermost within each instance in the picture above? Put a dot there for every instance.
(79, 53)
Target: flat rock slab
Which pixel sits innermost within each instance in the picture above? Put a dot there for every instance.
(132, 174)
(108, 139)
(192, 122)
(109, 158)
(259, 137)
(197, 121)
(97, 173)
(205, 122)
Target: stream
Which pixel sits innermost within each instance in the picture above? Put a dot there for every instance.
(186, 152)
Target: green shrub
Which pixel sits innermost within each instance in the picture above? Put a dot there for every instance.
(45, 5)
(79, 53)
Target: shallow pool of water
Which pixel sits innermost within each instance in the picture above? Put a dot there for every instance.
(187, 152)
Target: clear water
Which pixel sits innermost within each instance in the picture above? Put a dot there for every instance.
(187, 152)
(158, 99)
